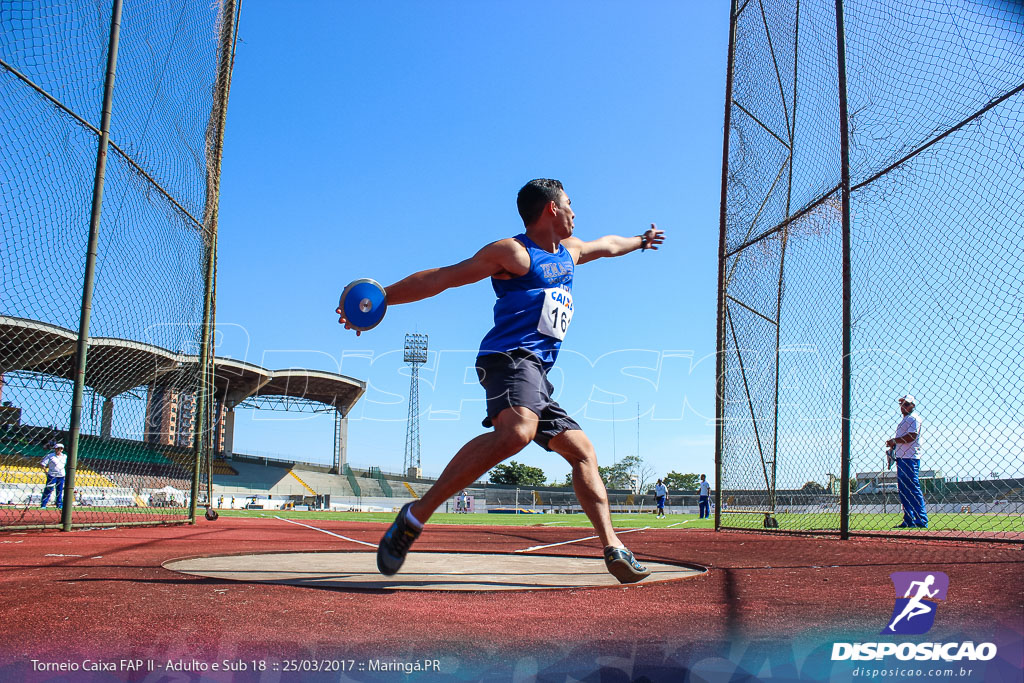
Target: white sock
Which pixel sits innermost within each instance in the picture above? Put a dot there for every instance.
(416, 524)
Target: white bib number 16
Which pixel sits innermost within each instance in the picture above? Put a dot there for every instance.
(556, 313)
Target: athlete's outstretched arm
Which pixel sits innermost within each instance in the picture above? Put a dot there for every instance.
(431, 282)
(495, 258)
(613, 245)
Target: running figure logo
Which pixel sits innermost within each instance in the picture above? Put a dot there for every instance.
(917, 596)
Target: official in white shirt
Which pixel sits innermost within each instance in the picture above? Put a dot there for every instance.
(54, 463)
(661, 492)
(908, 465)
(704, 502)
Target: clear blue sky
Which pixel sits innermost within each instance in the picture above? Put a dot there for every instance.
(377, 139)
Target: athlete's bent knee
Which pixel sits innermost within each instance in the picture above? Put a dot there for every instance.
(513, 436)
(575, 447)
(514, 430)
(514, 440)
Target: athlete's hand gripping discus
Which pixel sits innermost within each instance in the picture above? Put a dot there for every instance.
(362, 305)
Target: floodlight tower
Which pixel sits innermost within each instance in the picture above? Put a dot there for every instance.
(415, 355)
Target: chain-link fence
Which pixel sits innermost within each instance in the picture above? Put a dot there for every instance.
(872, 246)
(113, 118)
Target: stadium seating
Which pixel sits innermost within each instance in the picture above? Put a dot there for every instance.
(327, 483)
(20, 474)
(104, 464)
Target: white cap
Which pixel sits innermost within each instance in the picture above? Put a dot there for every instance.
(908, 399)
(58, 445)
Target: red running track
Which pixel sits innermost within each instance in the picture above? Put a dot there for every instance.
(104, 594)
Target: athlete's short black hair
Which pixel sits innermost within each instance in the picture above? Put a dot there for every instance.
(535, 195)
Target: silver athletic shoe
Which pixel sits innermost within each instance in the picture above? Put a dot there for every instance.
(396, 543)
(623, 566)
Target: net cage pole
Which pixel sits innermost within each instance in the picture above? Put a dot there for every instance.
(204, 437)
(215, 423)
(783, 238)
(772, 491)
(199, 438)
(211, 401)
(844, 146)
(82, 344)
(720, 335)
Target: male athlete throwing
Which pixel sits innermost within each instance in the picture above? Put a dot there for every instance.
(532, 277)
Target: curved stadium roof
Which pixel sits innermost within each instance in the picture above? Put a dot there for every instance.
(117, 365)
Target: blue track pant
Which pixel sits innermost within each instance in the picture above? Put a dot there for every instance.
(51, 484)
(911, 498)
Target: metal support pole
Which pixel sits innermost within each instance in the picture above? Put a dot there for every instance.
(638, 430)
(81, 351)
(216, 143)
(881, 476)
(778, 357)
(844, 138)
(720, 336)
(784, 239)
(214, 429)
(340, 441)
(199, 442)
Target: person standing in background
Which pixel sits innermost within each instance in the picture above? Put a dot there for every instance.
(661, 492)
(54, 463)
(908, 465)
(704, 501)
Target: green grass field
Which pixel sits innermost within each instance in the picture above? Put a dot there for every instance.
(624, 521)
(802, 522)
(881, 522)
(823, 521)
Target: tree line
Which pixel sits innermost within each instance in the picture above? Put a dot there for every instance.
(630, 473)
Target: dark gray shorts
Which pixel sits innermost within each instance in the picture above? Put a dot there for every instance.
(517, 378)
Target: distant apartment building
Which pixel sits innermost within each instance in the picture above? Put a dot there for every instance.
(171, 418)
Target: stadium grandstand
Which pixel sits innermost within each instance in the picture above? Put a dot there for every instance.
(156, 455)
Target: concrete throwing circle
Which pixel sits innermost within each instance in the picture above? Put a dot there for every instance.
(422, 571)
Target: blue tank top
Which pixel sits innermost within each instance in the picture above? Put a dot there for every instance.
(521, 300)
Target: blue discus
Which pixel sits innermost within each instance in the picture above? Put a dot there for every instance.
(364, 304)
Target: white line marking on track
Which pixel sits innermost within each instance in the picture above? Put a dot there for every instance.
(588, 538)
(678, 523)
(550, 523)
(329, 533)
